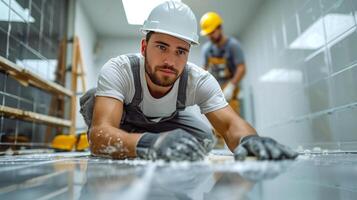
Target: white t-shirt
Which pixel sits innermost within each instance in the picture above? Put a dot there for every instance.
(116, 80)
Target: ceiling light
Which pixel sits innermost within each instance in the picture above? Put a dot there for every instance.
(137, 11)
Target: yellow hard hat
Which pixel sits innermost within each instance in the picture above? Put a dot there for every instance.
(209, 22)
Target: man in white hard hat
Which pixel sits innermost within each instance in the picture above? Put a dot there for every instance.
(140, 100)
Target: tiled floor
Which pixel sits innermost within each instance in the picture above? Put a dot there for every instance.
(79, 176)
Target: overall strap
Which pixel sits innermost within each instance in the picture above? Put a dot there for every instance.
(181, 96)
(135, 68)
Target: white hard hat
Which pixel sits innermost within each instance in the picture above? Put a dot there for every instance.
(173, 18)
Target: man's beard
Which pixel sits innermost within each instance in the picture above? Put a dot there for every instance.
(165, 81)
(217, 40)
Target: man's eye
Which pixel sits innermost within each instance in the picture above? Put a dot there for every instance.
(181, 52)
(161, 47)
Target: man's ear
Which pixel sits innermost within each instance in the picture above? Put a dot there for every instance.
(143, 46)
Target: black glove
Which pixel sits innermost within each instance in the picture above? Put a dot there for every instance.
(175, 145)
(264, 148)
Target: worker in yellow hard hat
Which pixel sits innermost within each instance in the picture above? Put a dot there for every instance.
(223, 57)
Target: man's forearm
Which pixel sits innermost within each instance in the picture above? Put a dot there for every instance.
(108, 141)
(230, 126)
(239, 74)
(237, 129)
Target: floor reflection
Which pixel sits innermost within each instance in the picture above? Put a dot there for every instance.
(80, 176)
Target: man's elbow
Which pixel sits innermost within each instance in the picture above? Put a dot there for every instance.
(108, 141)
(96, 137)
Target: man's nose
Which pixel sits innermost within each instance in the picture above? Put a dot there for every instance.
(170, 59)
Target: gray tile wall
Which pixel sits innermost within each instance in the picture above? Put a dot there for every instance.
(30, 33)
(302, 68)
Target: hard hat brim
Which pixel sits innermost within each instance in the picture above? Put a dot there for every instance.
(186, 39)
(205, 32)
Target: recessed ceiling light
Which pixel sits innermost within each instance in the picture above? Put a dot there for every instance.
(137, 11)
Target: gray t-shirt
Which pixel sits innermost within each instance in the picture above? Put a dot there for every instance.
(232, 50)
(116, 80)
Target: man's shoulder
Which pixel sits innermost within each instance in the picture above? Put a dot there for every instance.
(195, 71)
(120, 63)
(234, 41)
(122, 60)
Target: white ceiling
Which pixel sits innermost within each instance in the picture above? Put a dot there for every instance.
(108, 17)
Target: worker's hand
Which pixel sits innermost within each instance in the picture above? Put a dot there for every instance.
(228, 91)
(264, 148)
(175, 145)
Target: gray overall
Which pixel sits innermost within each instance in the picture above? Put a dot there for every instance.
(134, 120)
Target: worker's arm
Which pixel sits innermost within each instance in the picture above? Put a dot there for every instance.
(232, 84)
(239, 74)
(230, 126)
(105, 136)
(242, 139)
(238, 56)
(108, 140)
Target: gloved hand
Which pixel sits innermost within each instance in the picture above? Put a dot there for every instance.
(228, 91)
(175, 145)
(264, 148)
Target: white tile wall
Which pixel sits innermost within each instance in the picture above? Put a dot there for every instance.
(307, 49)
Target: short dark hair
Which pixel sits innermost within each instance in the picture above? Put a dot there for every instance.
(148, 35)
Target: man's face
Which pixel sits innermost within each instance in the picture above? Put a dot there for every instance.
(215, 36)
(165, 58)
